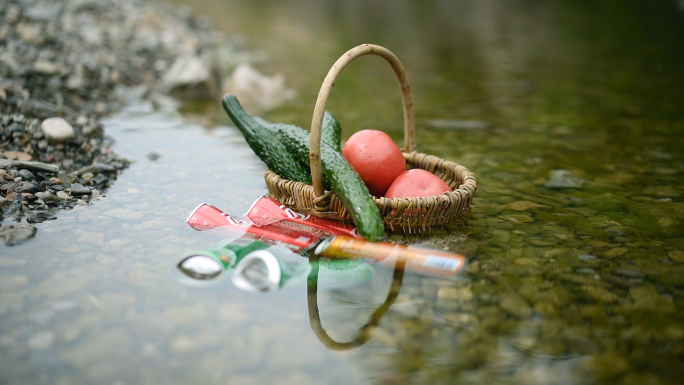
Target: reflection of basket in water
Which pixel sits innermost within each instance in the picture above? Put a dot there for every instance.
(412, 213)
(363, 334)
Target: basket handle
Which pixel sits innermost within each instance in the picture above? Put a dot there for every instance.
(324, 93)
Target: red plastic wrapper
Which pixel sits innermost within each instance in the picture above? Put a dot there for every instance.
(270, 222)
(273, 223)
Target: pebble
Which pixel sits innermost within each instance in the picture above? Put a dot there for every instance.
(43, 194)
(63, 195)
(57, 129)
(18, 234)
(519, 218)
(563, 179)
(34, 166)
(600, 294)
(528, 262)
(614, 253)
(647, 298)
(586, 257)
(662, 191)
(78, 189)
(192, 75)
(541, 242)
(677, 256)
(17, 155)
(629, 273)
(45, 67)
(457, 294)
(31, 33)
(501, 238)
(26, 175)
(527, 206)
(514, 305)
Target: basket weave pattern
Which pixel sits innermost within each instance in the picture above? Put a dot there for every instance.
(412, 213)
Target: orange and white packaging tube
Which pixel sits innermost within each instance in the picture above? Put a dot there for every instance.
(418, 260)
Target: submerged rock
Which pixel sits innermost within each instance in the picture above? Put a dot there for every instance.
(527, 206)
(564, 179)
(192, 77)
(15, 235)
(256, 91)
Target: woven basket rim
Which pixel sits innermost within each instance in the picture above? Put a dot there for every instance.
(442, 198)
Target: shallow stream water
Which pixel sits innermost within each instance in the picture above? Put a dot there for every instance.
(573, 277)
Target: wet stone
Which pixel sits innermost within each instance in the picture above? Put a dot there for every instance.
(563, 179)
(553, 253)
(519, 218)
(17, 155)
(677, 256)
(63, 195)
(662, 191)
(26, 175)
(614, 253)
(501, 238)
(527, 206)
(57, 129)
(586, 257)
(34, 166)
(541, 242)
(78, 189)
(629, 273)
(105, 168)
(456, 294)
(514, 305)
(615, 280)
(15, 235)
(600, 294)
(527, 262)
(648, 299)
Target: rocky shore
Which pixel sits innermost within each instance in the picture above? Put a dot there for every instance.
(61, 64)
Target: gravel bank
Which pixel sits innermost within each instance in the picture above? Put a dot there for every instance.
(61, 63)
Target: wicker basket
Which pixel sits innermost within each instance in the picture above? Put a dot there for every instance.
(414, 214)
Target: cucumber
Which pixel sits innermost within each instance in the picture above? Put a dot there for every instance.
(265, 144)
(331, 131)
(340, 177)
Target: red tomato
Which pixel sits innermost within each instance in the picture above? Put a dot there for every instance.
(376, 158)
(416, 183)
